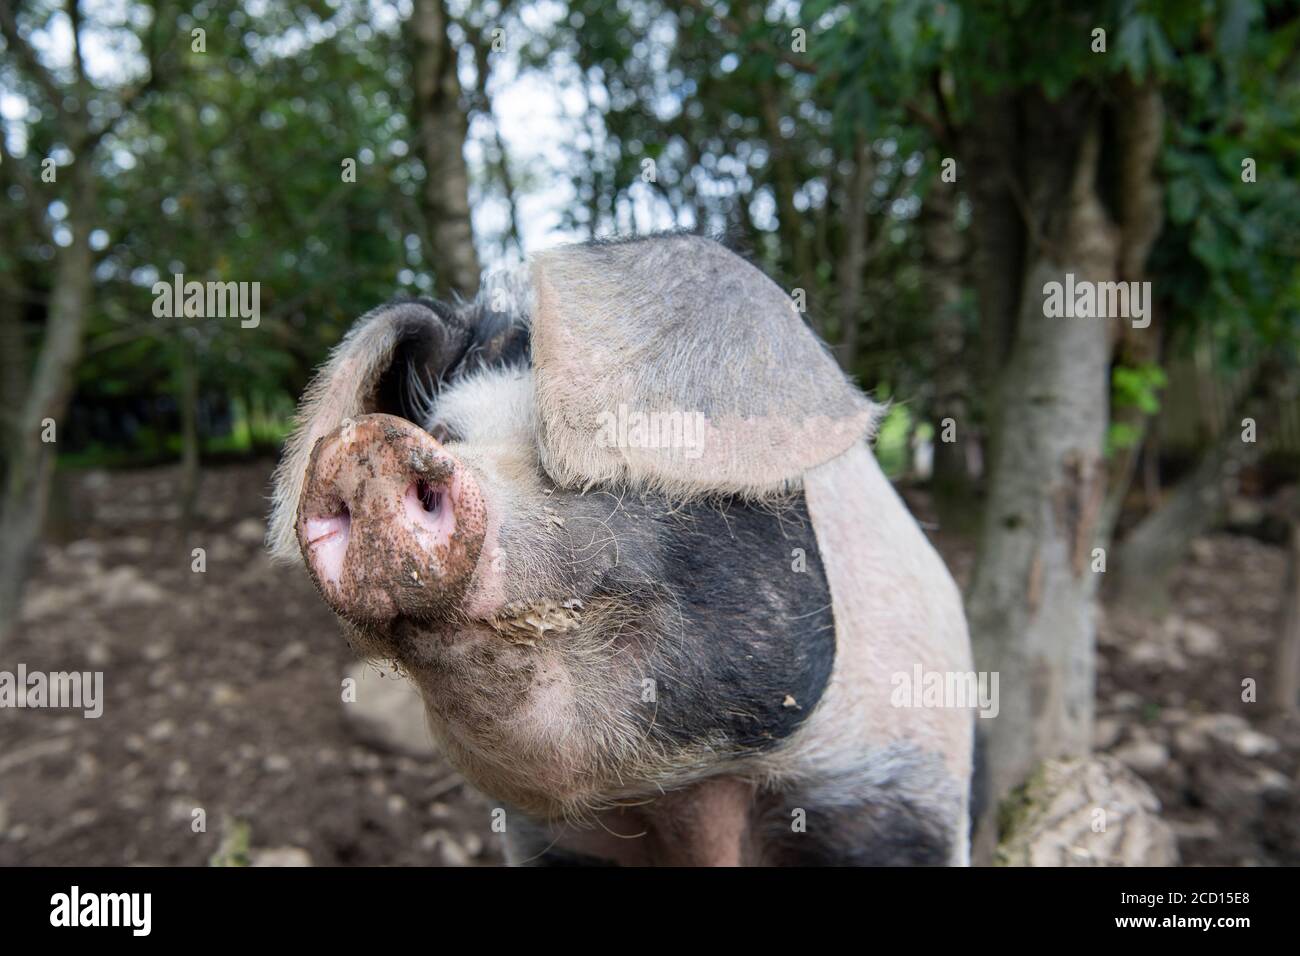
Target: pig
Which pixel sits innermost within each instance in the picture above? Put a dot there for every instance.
(619, 521)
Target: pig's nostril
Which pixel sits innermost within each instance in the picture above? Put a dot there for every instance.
(430, 506)
(327, 544)
(430, 497)
(329, 526)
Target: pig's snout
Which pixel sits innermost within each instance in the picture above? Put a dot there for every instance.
(389, 523)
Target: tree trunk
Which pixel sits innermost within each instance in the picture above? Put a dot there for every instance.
(31, 465)
(13, 342)
(1031, 600)
(13, 359)
(441, 127)
(1137, 347)
(1157, 544)
(854, 259)
(998, 231)
(501, 160)
(945, 251)
(1139, 129)
(785, 184)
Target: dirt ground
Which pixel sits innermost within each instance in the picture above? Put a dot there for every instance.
(222, 694)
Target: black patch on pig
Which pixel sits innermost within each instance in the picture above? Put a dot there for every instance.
(898, 835)
(496, 339)
(740, 646)
(893, 807)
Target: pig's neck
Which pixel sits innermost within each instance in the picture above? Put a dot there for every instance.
(705, 824)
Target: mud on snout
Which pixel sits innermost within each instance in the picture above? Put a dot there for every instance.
(390, 525)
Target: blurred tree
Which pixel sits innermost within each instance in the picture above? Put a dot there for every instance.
(223, 156)
(1229, 262)
(484, 28)
(438, 116)
(946, 258)
(275, 150)
(1062, 121)
(72, 120)
(788, 124)
(808, 176)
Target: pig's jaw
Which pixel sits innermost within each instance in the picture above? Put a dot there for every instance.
(536, 716)
(512, 717)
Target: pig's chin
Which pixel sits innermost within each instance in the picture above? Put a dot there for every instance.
(417, 643)
(522, 719)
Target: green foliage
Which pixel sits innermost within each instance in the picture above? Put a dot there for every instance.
(230, 170)
(892, 449)
(1138, 387)
(236, 842)
(1229, 257)
(1231, 248)
(1133, 387)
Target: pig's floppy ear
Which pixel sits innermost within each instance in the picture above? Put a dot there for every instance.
(671, 363)
(369, 371)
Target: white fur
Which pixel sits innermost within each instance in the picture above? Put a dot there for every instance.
(492, 407)
(682, 326)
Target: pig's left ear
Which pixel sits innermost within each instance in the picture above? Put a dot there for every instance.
(672, 363)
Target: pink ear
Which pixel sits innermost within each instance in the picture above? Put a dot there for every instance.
(672, 363)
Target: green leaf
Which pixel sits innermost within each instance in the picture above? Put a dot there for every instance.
(1131, 45)
(1183, 199)
(1234, 27)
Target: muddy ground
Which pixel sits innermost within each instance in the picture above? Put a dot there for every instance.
(222, 695)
